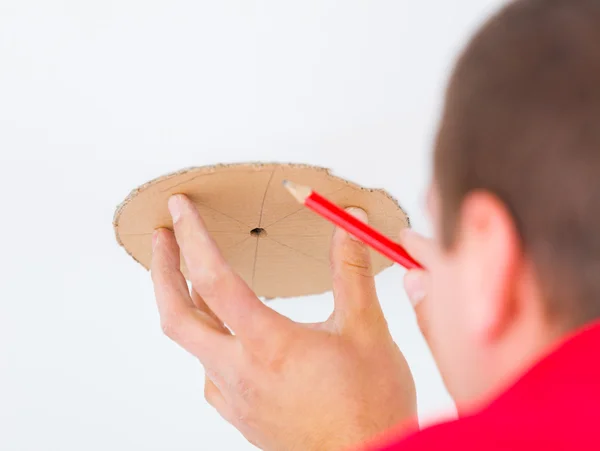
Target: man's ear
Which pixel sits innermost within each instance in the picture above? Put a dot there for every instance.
(491, 254)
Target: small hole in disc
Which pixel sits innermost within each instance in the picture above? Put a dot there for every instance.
(258, 232)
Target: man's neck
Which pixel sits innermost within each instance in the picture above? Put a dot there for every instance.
(521, 349)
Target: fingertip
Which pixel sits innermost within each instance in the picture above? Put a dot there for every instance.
(420, 247)
(176, 204)
(358, 213)
(414, 284)
(411, 240)
(165, 250)
(350, 257)
(159, 236)
(157, 241)
(155, 238)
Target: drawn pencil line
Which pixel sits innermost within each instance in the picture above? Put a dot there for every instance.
(224, 214)
(262, 208)
(209, 231)
(182, 183)
(231, 246)
(254, 264)
(299, 252)
(300, 236)
(286, 216)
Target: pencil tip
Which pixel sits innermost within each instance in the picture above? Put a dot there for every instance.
(299, 192)
(290, 186)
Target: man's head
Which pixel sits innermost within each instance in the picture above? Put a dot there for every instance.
(516, 192)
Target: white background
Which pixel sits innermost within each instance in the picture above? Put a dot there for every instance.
(97, 97)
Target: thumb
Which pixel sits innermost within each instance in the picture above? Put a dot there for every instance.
(416, 284)
(353, 281)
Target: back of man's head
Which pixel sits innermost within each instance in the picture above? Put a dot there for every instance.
(522, 121)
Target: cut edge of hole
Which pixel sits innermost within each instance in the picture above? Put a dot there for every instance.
(258, 232)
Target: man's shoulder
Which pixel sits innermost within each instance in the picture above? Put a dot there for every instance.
(569, 422)
(477, 433)
(465, 433)
(553, 406)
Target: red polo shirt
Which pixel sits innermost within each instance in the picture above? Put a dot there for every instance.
(554, 406)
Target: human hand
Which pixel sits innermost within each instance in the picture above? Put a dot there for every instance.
(284, 385)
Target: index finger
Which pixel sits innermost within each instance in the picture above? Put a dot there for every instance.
(417, 286)
(419, 247)
(180, 319)
(223, 290)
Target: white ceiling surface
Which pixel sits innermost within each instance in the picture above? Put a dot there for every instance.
(97, 97)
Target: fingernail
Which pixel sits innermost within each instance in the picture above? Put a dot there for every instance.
(360, 214)
(414, 284)
(154, 239)
(175, 207)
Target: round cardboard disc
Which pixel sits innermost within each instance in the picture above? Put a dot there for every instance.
(279, 247)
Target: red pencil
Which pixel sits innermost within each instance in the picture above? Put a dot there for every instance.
(350, 224)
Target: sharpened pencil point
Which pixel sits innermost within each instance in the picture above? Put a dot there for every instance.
(299, 192)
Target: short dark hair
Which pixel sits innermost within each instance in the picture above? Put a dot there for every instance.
(522, 121)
